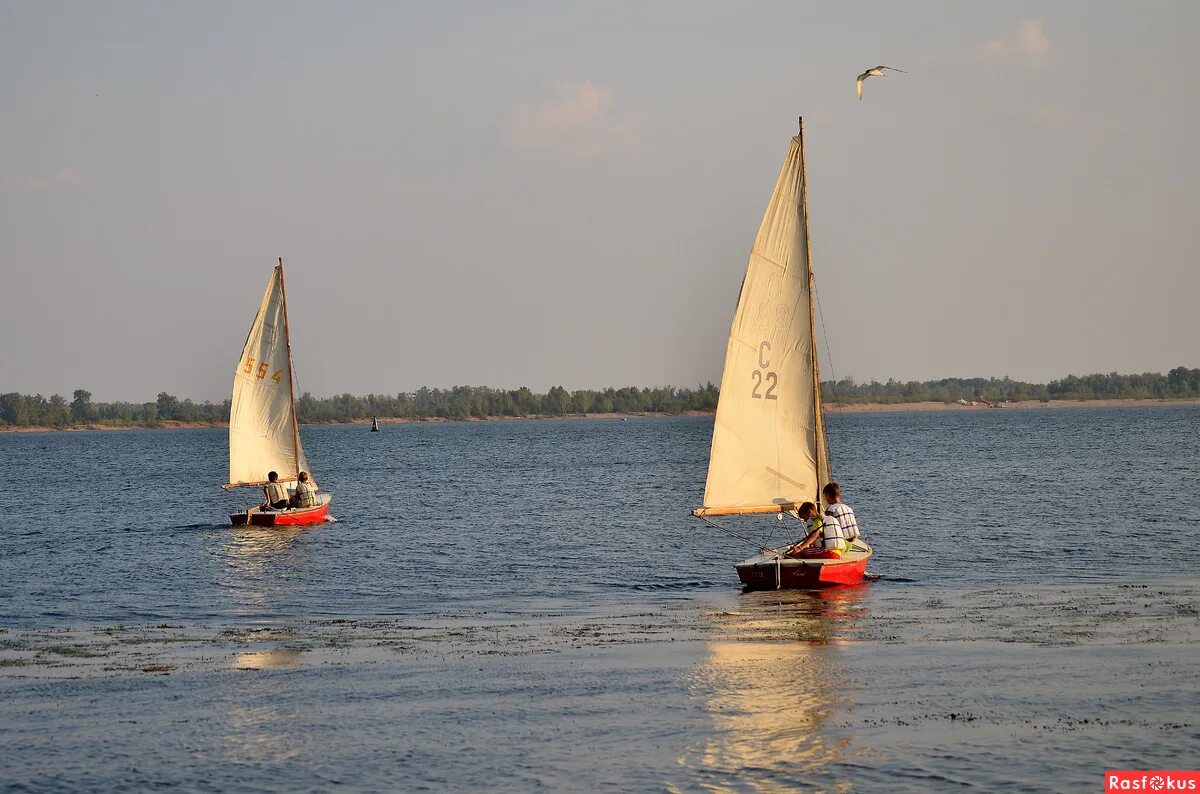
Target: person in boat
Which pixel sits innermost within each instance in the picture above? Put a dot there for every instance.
(306, 492)
(841, 511)
(825, 539)
(276, 492)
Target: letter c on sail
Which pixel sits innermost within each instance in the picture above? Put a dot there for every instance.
(763, 349)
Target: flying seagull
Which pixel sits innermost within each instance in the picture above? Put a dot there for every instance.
(876, 72)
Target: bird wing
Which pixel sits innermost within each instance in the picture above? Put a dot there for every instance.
(860, 79)
(892, 68)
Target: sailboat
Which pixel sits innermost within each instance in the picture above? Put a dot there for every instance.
(264, 435)
(769, 452)
(374, 424)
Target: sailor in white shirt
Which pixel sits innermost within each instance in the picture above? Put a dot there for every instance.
(306, 492)
(841, 511)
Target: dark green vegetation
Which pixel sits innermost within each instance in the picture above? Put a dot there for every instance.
(31, 411)
(481, 402)
(1179, 383)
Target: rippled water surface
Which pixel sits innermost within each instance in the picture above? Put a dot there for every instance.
(523, 605)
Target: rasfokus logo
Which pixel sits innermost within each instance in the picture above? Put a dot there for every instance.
(1152, 780)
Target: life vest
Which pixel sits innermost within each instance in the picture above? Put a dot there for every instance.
(845, 517)
(832, 538)
(276, 492)
(306, 494)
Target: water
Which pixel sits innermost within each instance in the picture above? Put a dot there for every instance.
(524, 605)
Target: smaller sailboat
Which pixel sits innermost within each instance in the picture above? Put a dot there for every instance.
(264, 433)
(769, 453)
(374, 424)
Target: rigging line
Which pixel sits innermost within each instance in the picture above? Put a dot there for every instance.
(828, 354)
(779, 525)
(731, 533)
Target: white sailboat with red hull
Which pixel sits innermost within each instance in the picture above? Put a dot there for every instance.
(769, 451)
(264, 433)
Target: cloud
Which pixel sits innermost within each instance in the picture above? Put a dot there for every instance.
(62, 179)
(1028, 45)
(579, 120)
(1054, 116)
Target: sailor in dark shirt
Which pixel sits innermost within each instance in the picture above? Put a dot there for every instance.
(276, 492)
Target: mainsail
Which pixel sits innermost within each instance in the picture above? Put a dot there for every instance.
(768, 447)
(263, 433)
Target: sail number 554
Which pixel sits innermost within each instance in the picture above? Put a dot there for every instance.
(764, 376)
(249, 369)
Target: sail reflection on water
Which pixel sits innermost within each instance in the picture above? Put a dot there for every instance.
(262, 566)
(256, 729)
(773, 677)
(252, 551)
(272, 659)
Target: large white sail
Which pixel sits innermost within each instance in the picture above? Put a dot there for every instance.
(768, 446)
(263, 434)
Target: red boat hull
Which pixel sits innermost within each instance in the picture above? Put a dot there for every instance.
(771, 572)
(295, 517)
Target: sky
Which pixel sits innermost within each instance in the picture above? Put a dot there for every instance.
(514, 193)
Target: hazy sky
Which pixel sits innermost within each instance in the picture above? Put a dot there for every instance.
(513, 193)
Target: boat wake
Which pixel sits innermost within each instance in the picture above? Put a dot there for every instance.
(691, 584)
(883, 577)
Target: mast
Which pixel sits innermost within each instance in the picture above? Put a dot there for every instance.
(818, 414)
(287, 338)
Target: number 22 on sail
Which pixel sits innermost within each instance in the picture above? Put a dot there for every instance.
(771, 379)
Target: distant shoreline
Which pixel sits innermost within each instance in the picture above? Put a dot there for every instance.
(831, 407)
(917, 407)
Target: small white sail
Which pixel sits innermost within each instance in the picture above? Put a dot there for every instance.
(263, 433)
(768, 446)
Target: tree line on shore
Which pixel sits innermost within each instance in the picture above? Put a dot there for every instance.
(481, 402)
(1179, 383)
